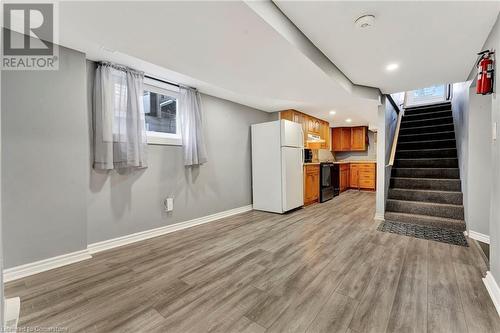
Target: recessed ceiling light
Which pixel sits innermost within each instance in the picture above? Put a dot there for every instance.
(392, 67)
(348, 120)
(333, 112)
(365, 21)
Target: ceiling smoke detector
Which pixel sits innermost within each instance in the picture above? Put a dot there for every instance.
(365, 21)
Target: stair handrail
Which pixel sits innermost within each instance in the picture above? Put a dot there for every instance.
(400, 112)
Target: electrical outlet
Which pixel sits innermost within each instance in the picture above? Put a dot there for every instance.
(169, 204)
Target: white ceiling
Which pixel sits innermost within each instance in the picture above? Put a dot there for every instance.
(433, 42)
(222, 48)
(227, 50)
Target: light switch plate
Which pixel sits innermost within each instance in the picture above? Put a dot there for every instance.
(169, 204)
(494, 131)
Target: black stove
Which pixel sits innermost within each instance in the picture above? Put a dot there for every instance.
(329, 185)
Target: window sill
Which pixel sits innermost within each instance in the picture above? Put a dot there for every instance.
(158, 140)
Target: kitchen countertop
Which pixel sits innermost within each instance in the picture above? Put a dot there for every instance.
(343, 162)
(355, 161)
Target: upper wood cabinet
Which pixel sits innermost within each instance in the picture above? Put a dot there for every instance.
(345, 139)
(325, 134)
(310, 125)
(314, 125)
(349, 138)
(358, 138)
(336, 139)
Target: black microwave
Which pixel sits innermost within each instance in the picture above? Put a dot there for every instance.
(308, 155)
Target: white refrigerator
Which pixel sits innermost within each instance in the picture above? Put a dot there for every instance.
(277, 166)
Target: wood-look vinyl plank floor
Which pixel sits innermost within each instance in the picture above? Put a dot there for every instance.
(324, 268)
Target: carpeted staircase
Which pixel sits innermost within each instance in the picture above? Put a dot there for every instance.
(425, 182)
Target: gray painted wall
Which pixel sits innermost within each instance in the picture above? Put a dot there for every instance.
(369, 154)
(1, 234)
(493, 42)
(55, 203)
(44, 161)
(122, 204)
(391, 122)
(387, 118)
(479, 163)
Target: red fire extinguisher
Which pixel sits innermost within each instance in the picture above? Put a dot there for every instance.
(485, 72)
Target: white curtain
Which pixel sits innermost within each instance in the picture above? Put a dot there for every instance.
(119, 123)
(191, 120)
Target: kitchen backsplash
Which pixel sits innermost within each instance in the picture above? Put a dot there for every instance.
(324, 155)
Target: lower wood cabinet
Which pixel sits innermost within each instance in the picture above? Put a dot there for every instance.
(363, 176)
(360, 176)
(354, 172)
(344, 172)
(311, 184)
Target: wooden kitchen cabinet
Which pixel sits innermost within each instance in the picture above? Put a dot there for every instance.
(345, 139)
(314, 125)
(310, 125)
(336, 139)
(311, 184)
(349, 138)
(358, 138)
(325, 134)
(354, 176)
(341, 139)
(344, 177)
(363, 176)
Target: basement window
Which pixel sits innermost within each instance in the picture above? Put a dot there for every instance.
(428, 95)
(160, 108)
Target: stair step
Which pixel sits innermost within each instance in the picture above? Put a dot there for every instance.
(425, 208)
(426, 163)
(426, 122)
(443, 173)
(428, 144)
(426, 136)
(445, 197)
(428, 115)
(419, 153)
(428, 108)
(427, 129)
(426, 183)
(439, 222)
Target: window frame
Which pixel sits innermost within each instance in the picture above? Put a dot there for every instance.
(446, 97)
(160, 138)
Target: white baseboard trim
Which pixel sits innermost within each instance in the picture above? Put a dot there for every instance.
(493, 290)
(478, 236)
(21, 271)
(379, 217)
(14, 273)
(132, 238)
(11, 313)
